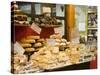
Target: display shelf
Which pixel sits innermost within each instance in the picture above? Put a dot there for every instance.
(92, 24)
(92, 28)
(91, 12)
(90, 35)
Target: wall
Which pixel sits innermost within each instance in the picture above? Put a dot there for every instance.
(81, 19)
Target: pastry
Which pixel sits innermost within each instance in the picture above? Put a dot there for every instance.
(55, 50)
(63, 40)
(41, 59)
(34, 63)
(47, 52)
(21, 22)
(68, 52)
(74, 58)
(28, 41)
(33, 37)
(23, 59)
(26, 22)
(16, 11)
(67, 43)
(43, 65)
(62, 44)
(18, 17)
(40, 40)
(29, 49)
(62, 56)
(38, 44)
(16, 22)
(26, 45)
(16, 60)
(58, 40)
(57, 44)
(16, 67)
(42, 51)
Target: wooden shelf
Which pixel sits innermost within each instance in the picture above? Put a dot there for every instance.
(93, 27)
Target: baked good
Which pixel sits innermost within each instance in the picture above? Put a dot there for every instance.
(58, 40)
(28, 41)
(67, 43)
(26, 22)
(33, 37)
(62, 44)
(16, 22)
(38, 44)
(47, 52)
(40, 40)
(18, 16)
(57, 44)
(23, 59)
(56, 36)
(34, 63)
(26, 45)
(68, 52)
(43, 65)
(55, 50)
(62, 56)
(16, 67)
(29, 49)
(74, 58)
(74, 55)
(63, 40)
(16, 60)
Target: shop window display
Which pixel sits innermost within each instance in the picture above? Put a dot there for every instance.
(52, 37)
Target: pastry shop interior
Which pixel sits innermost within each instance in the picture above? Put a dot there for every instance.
(47, 37)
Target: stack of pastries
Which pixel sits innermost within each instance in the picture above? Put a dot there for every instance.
(47, 20)
(48, 56)
(17, 16)
(32, 43)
